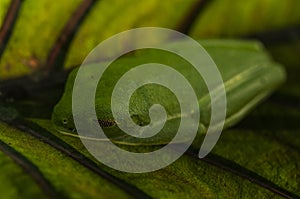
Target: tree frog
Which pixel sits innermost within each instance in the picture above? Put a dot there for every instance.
(248, 72)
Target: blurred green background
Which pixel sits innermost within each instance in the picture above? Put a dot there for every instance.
(40, 41)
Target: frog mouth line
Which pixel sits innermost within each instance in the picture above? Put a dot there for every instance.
(104, 139)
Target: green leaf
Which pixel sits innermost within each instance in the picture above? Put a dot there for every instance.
(3, 8)
(15, 182)
(236, 18)
(66, 176)
(189, 176)
(40, 24)
(36, 29)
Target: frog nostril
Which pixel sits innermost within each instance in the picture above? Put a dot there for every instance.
(65, 121)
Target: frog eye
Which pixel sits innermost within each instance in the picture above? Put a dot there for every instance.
(65, 121)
